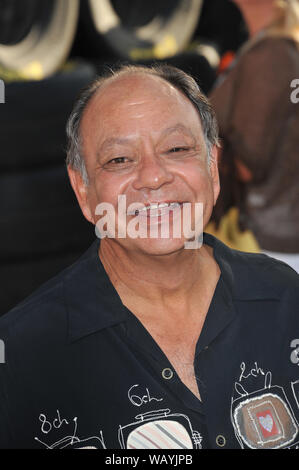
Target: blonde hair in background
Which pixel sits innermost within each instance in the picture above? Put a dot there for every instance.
(287, 23)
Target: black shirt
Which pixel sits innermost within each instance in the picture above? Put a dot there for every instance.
(82, 371)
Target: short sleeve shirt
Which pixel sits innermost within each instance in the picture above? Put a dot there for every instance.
(81, 371)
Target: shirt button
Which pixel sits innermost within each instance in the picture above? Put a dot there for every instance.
(220, 441)
(167, 373)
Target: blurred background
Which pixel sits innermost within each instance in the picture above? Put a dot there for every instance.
(49, 51)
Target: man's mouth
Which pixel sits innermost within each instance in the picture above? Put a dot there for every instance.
(156, 209)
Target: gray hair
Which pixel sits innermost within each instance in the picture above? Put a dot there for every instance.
(176, 77)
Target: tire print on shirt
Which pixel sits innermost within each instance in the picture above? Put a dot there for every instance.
(263, 419)
(159, 429)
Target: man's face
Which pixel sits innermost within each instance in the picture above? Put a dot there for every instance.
(143, 139)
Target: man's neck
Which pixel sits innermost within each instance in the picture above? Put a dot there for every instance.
(173, 279)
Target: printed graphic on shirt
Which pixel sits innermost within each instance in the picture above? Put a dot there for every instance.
(263, 418)
(138, 398)
(159, 429)
(294, 446)
(70, 441)
(295, 389)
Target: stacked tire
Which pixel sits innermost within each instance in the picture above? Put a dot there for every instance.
(42, 228)
(36, 37)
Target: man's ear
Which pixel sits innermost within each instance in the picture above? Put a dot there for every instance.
(214, 171)
(81, 191)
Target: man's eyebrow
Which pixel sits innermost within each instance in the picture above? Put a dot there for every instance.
(177, 128)
(111, 142)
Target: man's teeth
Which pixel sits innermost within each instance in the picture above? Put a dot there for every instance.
(155, 207)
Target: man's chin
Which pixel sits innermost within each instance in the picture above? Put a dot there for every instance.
(158, 246)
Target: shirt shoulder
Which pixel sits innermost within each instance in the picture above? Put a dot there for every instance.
(34, 323)
(43, 311)
(256, 276)
(265, 277)
(278, 270)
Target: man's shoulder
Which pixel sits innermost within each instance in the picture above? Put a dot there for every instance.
(261, 265)
(45, 306)
(256, 275)
(263, 278)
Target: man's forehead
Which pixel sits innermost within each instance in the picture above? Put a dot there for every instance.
(133, 88)
(137, 103)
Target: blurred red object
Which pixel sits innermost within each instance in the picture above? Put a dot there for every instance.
(226, 61)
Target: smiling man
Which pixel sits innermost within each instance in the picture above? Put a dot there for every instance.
(144, 342)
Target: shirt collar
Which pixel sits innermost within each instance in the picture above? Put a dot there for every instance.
(93, 304)
(91, 300)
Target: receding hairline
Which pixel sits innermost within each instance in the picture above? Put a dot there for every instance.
(104, 82)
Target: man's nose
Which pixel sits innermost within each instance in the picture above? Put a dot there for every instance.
(152, 173)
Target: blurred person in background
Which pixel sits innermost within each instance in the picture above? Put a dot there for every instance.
(259, 127)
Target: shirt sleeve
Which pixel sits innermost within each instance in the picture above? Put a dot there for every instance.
(253, 103)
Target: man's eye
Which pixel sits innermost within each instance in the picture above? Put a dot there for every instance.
(178, 149)
(117, 163)
(118, 160)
